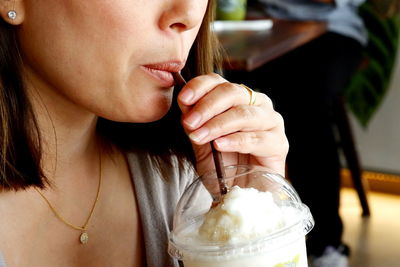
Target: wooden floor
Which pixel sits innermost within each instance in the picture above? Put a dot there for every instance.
(374, 241)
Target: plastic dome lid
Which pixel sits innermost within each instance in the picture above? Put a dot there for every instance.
(204, 191)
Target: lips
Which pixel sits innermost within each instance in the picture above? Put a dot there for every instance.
(162, 72)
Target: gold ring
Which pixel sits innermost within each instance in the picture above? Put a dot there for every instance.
(252, 94)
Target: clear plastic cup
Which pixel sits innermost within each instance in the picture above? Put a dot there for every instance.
(284, 246)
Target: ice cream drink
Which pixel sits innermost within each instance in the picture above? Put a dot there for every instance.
(260, 222)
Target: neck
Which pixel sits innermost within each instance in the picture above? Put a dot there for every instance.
(67, 133)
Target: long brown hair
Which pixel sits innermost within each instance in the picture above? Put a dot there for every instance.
(20, 151)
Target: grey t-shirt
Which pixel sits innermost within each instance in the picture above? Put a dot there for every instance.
(2, 263)
(157, 198)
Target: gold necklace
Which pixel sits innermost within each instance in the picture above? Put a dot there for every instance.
(84, 237)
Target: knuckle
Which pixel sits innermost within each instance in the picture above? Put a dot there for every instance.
(285, 146)
(279, 118)
(206, 107)
(266, 99)
(217, 127)
(269, 102)
(253, 138)
(247, 141)
(245, 112)
(225, 87)
(241, 139)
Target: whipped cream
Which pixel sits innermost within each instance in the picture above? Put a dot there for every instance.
(243, 214)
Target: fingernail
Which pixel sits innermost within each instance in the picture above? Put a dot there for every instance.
(186, 95)
(193, 120)
(199, 134)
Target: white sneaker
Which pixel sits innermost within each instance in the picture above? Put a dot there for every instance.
(332, 257)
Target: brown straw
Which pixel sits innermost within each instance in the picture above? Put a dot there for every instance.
(219, 164)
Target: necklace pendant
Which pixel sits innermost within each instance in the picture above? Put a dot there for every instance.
(84, 238)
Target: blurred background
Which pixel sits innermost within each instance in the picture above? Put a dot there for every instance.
(375, 240)
(371, 102)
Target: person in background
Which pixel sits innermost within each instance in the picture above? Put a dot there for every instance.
(304, 85)
(96, 148)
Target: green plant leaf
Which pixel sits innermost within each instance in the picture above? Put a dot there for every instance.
(367, 88)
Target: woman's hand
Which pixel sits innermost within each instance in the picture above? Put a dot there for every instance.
(215, 109)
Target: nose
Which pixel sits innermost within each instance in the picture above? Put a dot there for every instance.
(182, 15)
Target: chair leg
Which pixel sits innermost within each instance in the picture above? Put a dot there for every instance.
(350, 153)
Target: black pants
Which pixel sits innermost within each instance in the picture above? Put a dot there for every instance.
(304, 85)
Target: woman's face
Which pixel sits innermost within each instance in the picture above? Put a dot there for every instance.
(110, 57)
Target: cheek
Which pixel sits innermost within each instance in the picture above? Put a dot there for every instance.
(74, 44)
(61, 33)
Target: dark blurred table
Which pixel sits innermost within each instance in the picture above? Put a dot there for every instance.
(247, 50)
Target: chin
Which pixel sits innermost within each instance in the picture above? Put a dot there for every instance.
(154, 116)
(146, 113)
(156, 110)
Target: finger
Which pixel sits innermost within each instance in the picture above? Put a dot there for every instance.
(259, 144)
(268, 148)
(197, 87)
(222, 98)
(194, 89)
(241, 118)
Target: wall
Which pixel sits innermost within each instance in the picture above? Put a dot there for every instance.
(379, 144)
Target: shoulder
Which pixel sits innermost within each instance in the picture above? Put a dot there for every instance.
(176, 177)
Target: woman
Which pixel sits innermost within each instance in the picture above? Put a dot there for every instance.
(91, 165)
